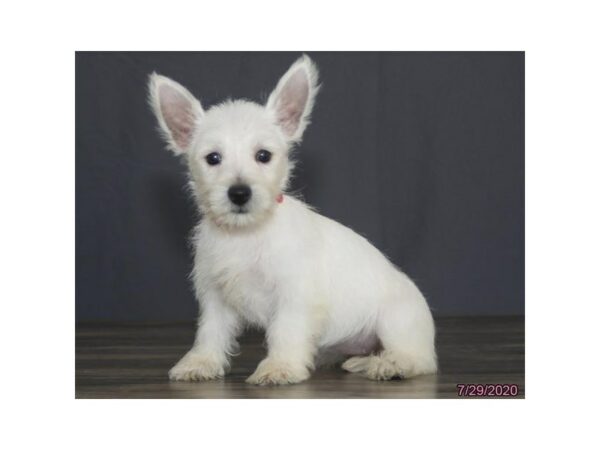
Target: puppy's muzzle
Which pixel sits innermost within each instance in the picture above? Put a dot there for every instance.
(239, 194)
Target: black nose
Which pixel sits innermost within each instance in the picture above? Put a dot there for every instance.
(239, 194)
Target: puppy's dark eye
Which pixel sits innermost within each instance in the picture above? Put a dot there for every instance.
(213, 158)
(263, 156)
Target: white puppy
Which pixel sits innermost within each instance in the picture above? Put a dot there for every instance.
(266, 259)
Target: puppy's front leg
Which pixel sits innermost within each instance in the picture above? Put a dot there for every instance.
(208, 359)
(291, 348)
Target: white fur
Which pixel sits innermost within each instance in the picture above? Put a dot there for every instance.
(315, 286)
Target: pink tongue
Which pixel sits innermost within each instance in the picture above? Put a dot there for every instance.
(279, 198)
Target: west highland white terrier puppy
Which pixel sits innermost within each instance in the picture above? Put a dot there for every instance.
(264, 258)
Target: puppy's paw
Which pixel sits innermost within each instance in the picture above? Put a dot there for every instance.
(376, 367)
(387, 369)
(357, 364)
(196, 367)
(270, 371)
(391, 365)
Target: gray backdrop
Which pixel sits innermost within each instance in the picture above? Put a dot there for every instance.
(422, 153)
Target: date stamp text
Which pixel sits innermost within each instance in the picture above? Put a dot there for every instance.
(487, 390)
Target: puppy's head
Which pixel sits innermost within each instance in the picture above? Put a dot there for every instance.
(237, 151)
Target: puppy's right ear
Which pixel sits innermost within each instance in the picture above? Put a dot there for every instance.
(177, 111)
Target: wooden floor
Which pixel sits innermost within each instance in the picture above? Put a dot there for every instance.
(132, 360)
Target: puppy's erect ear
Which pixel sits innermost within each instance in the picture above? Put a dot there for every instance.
(293, 98)
(176, 109)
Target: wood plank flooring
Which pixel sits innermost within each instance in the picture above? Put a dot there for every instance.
(132, 361)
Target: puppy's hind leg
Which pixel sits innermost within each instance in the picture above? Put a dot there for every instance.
(406, 331)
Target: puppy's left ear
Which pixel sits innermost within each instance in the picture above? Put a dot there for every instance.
(292, 100)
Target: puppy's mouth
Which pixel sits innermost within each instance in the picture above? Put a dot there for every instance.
(239, 210)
